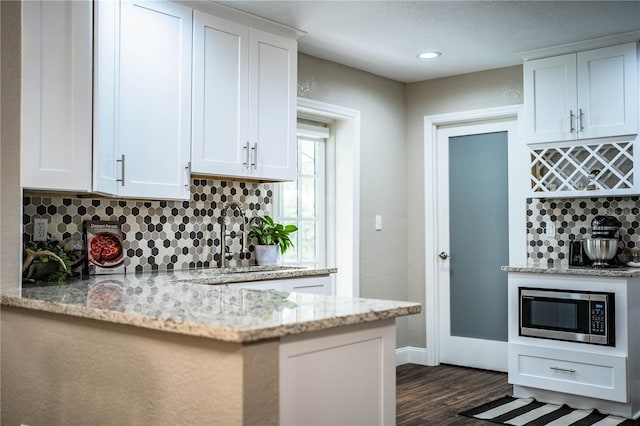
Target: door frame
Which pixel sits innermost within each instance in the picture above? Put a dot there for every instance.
(517, 203)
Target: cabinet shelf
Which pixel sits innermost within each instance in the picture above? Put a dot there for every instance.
(582, 169)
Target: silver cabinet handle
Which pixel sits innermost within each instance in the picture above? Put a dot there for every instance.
(254, 151)
(571, 117)
(245, 163)
(580, 117)
(444, 255)
(121, 161)
(187, 169)
(564, 370)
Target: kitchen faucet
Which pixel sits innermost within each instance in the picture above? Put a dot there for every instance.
(223, 232)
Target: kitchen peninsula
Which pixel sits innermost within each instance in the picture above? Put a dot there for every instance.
(173, 349)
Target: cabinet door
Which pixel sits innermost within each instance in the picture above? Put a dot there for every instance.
(314, 285)
(608, 91)
(220, 96)
(272, 106)
(550, 99)
(56, 95)
(144, 99)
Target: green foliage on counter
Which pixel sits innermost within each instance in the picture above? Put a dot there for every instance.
(270, 233)
(40, 268)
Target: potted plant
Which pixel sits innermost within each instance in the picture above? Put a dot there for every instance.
(273, 239)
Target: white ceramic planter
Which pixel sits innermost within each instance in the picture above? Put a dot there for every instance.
(267, 255)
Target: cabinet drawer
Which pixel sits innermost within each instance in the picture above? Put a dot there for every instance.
(277, 285)
(574, 372)
(314, 285)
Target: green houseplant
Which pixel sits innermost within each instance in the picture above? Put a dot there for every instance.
(271, 237)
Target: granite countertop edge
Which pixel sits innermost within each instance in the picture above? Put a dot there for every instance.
(224, 334)
(231, 277)
(584, 271)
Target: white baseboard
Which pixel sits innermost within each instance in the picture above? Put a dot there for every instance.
(411, 355)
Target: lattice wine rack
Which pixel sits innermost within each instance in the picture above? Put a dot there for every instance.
(594, 167)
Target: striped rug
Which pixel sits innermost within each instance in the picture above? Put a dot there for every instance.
(527, 411)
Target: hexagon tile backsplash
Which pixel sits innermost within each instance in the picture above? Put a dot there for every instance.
(168, 235)
(160, 235)
(572, 218)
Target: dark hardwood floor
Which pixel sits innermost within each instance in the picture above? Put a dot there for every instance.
(435, 395)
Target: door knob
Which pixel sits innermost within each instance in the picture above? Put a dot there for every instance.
(444, 255)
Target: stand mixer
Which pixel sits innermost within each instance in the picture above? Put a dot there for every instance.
(602, 247)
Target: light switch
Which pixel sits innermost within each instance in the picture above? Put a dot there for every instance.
(378, 222)
(550, 230)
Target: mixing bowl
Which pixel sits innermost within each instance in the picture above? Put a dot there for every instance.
(601, 250)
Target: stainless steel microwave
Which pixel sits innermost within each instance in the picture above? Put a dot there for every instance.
(577, 316)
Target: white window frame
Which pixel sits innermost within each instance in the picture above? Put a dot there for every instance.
(343, 200)
(319, 135)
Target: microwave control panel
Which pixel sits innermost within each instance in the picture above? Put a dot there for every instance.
(598, 318)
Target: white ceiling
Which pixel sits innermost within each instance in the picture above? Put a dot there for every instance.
(384, 37)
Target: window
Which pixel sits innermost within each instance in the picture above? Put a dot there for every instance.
(302, 202)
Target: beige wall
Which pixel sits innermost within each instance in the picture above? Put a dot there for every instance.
(381, 102)
(392, 165)
(479, 90)
(61, 370)
(10, 194)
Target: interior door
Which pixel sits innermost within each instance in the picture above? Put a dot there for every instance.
(473, 242)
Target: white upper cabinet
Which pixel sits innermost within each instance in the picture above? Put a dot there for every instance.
(56, 95)
(272, 106)
(608, 91)
(244, 101)
(220, 96)
(142, 77)
(591, 94)
(550, 99)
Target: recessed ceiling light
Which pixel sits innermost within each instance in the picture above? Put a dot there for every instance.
(429, 55)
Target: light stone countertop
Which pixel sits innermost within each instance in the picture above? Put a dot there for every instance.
(249, 273)
(177, 303)
(577, 270)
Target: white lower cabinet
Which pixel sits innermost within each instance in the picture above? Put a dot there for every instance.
(314, 285)
(342, 376)
(581, 375)
(575, 372)
(277, 285)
